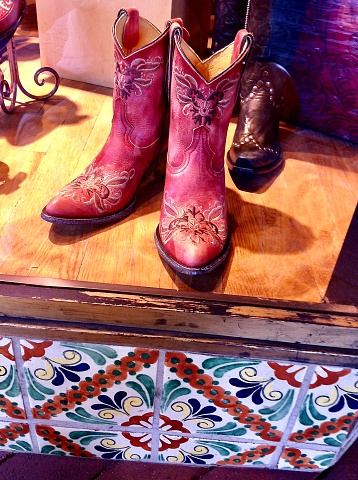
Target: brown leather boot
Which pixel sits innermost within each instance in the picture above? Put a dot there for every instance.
(192, 236)
(11, 13)
(255, 157)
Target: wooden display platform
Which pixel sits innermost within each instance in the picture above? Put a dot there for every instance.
(286, 241)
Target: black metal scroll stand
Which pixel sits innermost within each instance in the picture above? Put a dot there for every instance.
(8, 91)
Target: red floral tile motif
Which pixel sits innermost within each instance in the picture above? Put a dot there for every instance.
(327, 376)
(295, 459)
(11, 404)
(301, 459)
(34, 348)
(15, 437)
(326, 429)
(322, 375)
(12, 432)
(288, 373)
(11, 409)
(108, 445)
(30, 348)
(165, 423)
(6, 348)
(330, 409)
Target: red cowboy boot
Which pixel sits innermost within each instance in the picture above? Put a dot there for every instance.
(11, 13)
(105, 191)
(192, 236)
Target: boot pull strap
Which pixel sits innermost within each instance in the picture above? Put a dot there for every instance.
(242, 45)
(130, 36)
(179, 22)
(176, 31)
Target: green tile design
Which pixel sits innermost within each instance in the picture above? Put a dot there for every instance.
(198, 451)
(305, 459)
(329, 409)
(89, 443)
(11, 403)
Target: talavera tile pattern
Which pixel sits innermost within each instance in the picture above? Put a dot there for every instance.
(11, 404)
(304, 459)
(132, 403)
(213, 452)
(330, 408)
(92, 443)
(230, 397)
(91, 383)
(15, 437)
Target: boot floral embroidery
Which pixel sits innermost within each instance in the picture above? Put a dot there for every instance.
(96, 187)
(194, 224)
(203, 103)
(6, 5)
(132, 78)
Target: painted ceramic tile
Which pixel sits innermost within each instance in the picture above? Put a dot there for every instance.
(351, 439)
(11, 404)
(15, 437)
(197, 451)
(227, 396)
(88, 383)
(330, 407)
(92, 443)
(305, 459)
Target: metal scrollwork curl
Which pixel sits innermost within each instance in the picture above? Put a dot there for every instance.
(42, 82)
(8, 91)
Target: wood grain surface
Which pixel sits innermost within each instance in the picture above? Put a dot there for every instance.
(286, 241)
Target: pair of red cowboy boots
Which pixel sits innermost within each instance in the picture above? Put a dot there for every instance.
(11, 13)
(192, 235)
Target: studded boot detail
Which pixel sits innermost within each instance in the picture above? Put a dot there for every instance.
(255, 157)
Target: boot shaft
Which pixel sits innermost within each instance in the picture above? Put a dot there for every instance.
(140, 63)
(202, 96)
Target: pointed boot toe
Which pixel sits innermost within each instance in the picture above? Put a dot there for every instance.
(57, 210)
(62, 210)
(192, 257)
